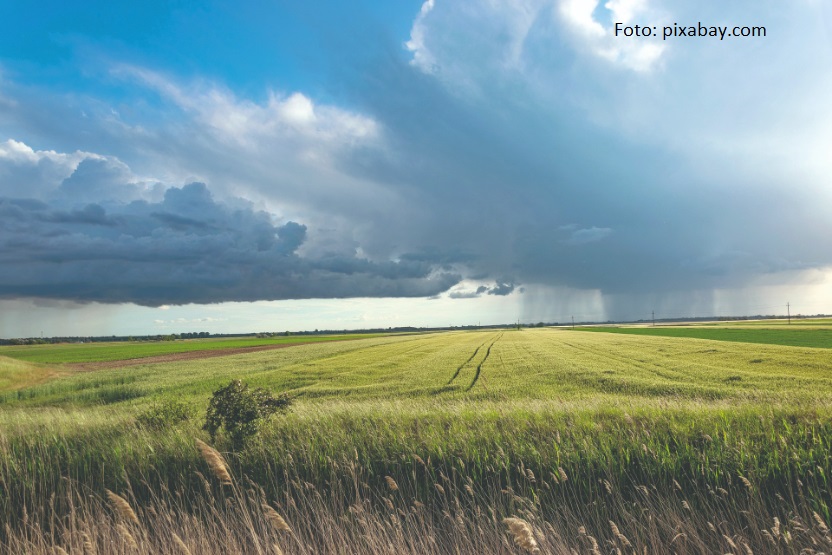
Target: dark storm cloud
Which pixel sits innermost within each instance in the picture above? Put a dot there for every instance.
(92, 214)
(188, 248)
(502, 289)
(499, 289)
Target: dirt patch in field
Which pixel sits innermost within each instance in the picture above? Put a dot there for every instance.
(176, 357)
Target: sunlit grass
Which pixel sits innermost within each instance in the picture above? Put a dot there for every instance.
(489, 406)
(110, 351)
(808, 333)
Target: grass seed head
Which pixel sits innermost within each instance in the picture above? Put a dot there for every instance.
(128, 537)
(215, 462)
(181, 546)
(89, 548)
(122, 507)
(522, 532)
(391, 483)
(821, 523)
(275, 519)
(621, 537)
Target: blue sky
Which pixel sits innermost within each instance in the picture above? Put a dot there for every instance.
(182, 166)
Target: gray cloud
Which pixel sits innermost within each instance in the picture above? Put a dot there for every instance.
(187, 248)
(557, 170)
(499, 289)
(502, 289)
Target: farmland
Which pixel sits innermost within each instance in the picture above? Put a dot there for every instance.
(562, 428)
(102, 352)
(812, 333)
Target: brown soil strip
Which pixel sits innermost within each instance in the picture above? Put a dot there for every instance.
(176, 357)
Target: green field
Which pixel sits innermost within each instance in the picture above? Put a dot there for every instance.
(803, 334)
(499, 411)
(101, 352)
(551, 365)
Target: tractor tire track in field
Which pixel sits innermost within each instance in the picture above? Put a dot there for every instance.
(458, 370)
(479, 366)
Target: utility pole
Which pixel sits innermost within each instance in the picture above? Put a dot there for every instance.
(653, 313)
(789, 312)
(573, 322)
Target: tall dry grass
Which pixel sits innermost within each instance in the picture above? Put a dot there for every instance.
(429, 510)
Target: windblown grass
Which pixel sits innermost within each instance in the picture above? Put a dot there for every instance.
(674, 445)
(437, 508)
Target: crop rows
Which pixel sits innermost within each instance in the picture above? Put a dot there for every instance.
(497, 411)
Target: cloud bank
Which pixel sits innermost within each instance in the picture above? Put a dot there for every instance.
(187, 247)
(513, 145)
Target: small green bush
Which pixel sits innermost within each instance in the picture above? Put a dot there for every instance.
(165, 414)
(241, 411)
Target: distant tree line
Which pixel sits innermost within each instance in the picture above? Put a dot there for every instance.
(401, 329)
(103, 338)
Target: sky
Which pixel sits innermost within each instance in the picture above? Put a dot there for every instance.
(182, 166)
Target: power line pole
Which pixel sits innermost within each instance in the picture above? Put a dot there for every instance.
(573, 322)
(653, 313)
(789, 312)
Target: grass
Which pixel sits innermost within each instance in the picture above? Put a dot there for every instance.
(803, 334)
(526, 365)
(111, 351)
(17, 374)
(687, 418)
(428, 509)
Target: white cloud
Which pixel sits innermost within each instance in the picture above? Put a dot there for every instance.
(637, 54)
(578, 14)
(422, 56)
(498, 32)
(287, 153)
(25, 171)
(626, 11)
(20, 153)
(297, 109)
(75, 178)
(246, 122)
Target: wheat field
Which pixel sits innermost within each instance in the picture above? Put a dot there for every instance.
(500, 441)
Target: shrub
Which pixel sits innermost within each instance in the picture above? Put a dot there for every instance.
(165, 414)
(241, 411)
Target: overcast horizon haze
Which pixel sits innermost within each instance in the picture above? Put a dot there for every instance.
(171, 167)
